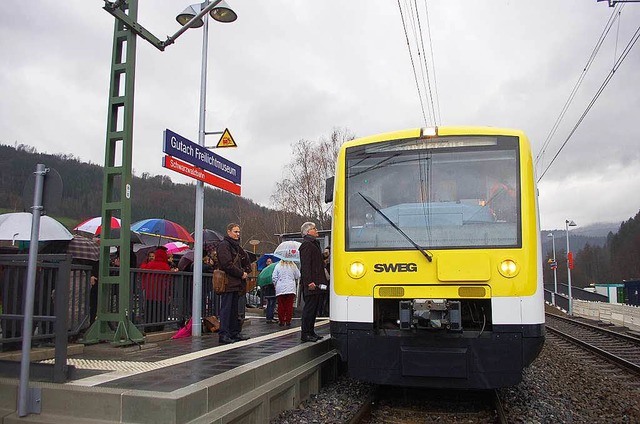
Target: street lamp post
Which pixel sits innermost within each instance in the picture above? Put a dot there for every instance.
(118, 174)
(569, 223)
(555, 269)
(221, 13)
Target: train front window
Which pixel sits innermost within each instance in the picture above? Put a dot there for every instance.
(463, 194)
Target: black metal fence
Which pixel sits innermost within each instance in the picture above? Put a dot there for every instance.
(561, 300)
(51, 269)
(52, 307)
(159, 299)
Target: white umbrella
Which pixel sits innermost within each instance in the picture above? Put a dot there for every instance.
(17, 227)
(93, 226)
(288, 251)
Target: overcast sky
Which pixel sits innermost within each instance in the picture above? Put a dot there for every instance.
(291, 70)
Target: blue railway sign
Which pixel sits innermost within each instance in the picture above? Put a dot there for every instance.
(179, 147)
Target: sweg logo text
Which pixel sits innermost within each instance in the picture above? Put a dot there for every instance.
(399, 267)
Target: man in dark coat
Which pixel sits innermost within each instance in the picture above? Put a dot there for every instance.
(235, 262)
(313, 280)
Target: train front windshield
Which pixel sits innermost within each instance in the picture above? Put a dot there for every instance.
(444, 192)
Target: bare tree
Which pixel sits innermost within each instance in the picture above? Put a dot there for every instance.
(301, 191)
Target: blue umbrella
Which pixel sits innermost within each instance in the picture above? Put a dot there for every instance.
(262, 262)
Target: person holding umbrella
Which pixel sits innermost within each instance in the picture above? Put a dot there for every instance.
(235, 262)
(285, 276)
(268, 290)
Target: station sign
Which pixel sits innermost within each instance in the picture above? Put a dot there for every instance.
(179, 147)
(189, 170)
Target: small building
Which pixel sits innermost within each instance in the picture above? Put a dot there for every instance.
(614, 292)
(632, 292)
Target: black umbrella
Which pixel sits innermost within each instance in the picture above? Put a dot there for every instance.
(186, 259)
(141, 255)
(135, 237)
(210, 237)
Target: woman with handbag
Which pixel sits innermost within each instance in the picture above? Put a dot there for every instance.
(235, 262)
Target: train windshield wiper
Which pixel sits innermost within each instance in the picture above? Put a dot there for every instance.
(426, 253)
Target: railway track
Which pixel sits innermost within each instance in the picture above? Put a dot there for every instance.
(617, 348)
(410, 405)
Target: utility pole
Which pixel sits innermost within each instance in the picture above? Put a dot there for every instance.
(114, 290)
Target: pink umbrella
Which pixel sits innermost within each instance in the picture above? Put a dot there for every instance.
(184, 331)
(176, 247)
(94, 225)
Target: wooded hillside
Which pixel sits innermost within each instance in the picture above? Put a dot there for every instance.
(152, 197)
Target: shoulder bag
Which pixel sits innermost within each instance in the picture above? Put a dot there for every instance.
(220, 279)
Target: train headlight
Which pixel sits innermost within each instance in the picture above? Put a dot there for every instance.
(356, 270)
(508, 268)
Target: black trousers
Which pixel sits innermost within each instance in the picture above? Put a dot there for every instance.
(309, 313)
(229, 322)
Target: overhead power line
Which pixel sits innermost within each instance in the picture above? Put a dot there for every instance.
(621, 59)
(433, 62)
(426, 86)
(574, 91)
(426, 65)
(413, 66)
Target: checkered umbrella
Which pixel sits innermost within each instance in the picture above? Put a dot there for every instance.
(83, 248)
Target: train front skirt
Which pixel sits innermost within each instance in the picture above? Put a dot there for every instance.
(422, 358)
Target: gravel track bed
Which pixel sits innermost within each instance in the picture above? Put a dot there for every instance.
(556, 388)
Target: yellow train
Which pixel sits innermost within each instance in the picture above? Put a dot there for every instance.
(436, 276)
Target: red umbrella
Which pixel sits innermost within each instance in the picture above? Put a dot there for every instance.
(94, 225)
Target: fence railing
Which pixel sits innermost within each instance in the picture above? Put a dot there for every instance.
(158, 298)
(52, 306)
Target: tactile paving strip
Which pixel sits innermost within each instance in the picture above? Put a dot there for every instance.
(105, 365)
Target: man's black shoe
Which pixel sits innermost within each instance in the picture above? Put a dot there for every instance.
(317, 336)
(310, 338)
(240, 337)
(226, 340)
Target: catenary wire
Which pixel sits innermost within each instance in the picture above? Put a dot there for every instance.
(424, 77)
(433, 63)
(432, 110)
(574, 91)
(415, 76)
(624, 54)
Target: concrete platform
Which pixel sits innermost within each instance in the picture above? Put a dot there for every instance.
(189, 380)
